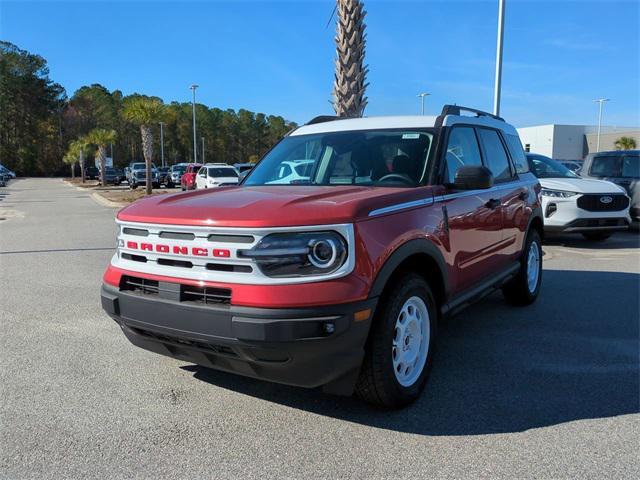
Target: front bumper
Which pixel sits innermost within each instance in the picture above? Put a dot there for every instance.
(306, 347)
(564, 215)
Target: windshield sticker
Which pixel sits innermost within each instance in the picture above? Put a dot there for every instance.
(410, 136)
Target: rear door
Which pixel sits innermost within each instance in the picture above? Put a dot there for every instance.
(474, 217)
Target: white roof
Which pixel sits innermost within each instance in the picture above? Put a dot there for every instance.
(415, 121)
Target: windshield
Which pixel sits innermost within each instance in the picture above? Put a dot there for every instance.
(389, 158)
(544, 167)
(627, 166)
(179, 169)
(142, 166)
(222, 172)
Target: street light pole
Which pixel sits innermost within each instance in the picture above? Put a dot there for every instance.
(600, 102)
(193, 106)
(162, 143)
(202, 138)
(498, 79)
(422, 95)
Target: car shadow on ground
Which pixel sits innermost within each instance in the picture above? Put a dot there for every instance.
(626, 239)
(572, 355)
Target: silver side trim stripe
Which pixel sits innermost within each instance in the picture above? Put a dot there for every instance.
(401, 206)
(495, 188)
(429, 201)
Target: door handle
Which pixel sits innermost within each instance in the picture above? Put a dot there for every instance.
(493, 203)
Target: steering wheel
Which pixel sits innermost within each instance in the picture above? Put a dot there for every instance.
(397, 176)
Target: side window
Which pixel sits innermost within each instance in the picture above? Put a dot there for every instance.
(631, 166)
(462, 150)
(202, 172)
(517, 153)
(496, 158)
(606, 166)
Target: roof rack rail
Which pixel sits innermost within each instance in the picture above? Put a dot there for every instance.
(456, 109)
(322, 119)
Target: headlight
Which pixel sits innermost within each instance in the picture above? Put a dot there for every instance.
(298, 254)
(556, 193)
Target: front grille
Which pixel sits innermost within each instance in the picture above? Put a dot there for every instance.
(598, 222)
(176, 291)
(594, 203)
(139, 285)
(205, 295)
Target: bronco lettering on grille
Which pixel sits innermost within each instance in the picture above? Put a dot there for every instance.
(179, 250)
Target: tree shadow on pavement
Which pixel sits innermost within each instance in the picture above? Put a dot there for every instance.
(572, 355)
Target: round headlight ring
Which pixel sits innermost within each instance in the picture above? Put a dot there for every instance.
(322, 252)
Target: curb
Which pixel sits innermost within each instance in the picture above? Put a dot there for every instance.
(106, 202)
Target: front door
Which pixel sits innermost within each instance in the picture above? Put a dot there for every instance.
(474, 216)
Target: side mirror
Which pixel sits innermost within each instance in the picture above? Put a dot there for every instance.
(473, 177)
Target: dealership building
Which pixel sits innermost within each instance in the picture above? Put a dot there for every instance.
(573, 142)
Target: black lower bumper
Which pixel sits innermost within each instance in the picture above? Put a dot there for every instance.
(590, 225)
(309, 347)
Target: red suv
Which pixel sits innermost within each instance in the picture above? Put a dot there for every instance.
(335, 274)
(188, 180)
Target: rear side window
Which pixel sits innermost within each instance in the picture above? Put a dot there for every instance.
(496, 158)
(462, 150)
(517, 153)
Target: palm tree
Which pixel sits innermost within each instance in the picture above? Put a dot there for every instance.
(101, 137)
(349, 86)
(625, 143)
(145, 112)
(78, 149)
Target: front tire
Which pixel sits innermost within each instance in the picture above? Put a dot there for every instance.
(399, 350)
(596, 236)
(524, 288)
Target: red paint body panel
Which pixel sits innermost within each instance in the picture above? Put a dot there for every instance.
(343, 290)
(268, 206)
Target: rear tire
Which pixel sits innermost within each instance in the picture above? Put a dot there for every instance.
(524, 288)
(400, 345)
(597, 236)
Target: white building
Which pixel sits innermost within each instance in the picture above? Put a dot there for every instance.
(572, 142)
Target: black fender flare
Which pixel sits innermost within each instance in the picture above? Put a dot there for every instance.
(412, 247)
(536, 213)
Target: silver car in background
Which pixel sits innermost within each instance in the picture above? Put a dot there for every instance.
(621, 167)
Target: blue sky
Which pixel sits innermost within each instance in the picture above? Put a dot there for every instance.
(277, 57)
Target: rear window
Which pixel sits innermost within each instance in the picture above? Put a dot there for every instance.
(517, 153)
(222, 172)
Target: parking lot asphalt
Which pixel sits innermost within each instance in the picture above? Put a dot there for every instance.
(547, 391)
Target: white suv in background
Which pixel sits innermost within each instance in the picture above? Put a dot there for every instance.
(571, 204)
(213, 175)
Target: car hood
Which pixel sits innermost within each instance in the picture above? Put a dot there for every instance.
(269, 206)
(579, 185)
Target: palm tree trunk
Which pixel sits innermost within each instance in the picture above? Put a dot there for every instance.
(350, 77)
(147, 150)
(102, 155)
(82, 166)
(73, 171)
